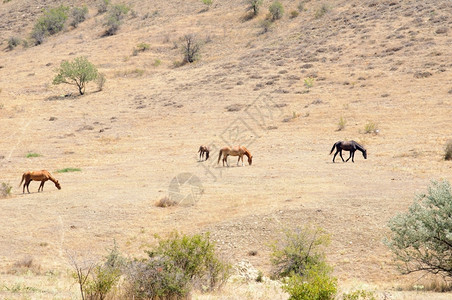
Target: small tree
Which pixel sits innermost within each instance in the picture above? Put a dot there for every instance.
(276, 10)
(421, 239)
(254, 5)
(79, 72)
(190, 48)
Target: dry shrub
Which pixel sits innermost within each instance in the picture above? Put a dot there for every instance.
(24, 266)
(165, 202)
(448, 151)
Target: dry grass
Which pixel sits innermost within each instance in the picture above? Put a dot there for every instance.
(165, 202)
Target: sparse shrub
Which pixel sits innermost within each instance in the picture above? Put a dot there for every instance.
(143, 47)
(50, 23)
(78, 73)
(175, 266)
(316, 284)
(342, 123)
(266, 25)
(260, 276)
(294, 14)
(114, 17)
(78, 15)
(13, 42)
(100, 80)
(299, 250)
(371, 127)
(359, 295)
(309, 82)
(276, 10)
(31, 154)
(67, 170)
(421, 239)
(102, 6)
(25, 265)
(165, 202)
(157, 62)
(208, 3)
(300, 6)
(5, 190)
(190, 48)
(448, 151)
(254, 5)
(322, 10)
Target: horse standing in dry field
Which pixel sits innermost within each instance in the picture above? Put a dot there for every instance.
(351, 146)
(203, 150)
(42, 176)
(235, 151)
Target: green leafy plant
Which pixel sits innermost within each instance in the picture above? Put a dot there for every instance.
(276, 10)
(309, 82)
(50, 23)
(78, 72)
(78, 15)
(208, 3)
(421, 239)
(31, 154)
(67, 170)
(114, 17)
(254, 5)
(316, 284)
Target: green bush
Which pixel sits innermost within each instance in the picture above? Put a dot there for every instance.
(114, 17)
(78, 15)
(207, 2)
(102, 6)
(421, 239)
(13, 42)
(175, 266)
(254, 5)
(78, 73)
(298, 250)
(359, 295)
(448, 151)
(50, 23)
(276, 10)
(316, 284)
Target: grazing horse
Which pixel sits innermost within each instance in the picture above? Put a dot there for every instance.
(235, 151)
(203, 149)
(42, 176)
(351, 146)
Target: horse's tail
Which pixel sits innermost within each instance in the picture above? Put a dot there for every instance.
(334, 146)
(219, 156)
(23, 178)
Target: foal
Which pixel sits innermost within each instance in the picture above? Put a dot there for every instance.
(42, 176)
(203, 149)
(351, 146)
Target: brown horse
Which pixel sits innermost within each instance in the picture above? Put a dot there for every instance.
(42, 176)
(235, 151)
(351, 146)
(203, 150)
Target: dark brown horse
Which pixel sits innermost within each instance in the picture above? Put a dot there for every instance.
(351, 146)
(42, 176)
(203, 150)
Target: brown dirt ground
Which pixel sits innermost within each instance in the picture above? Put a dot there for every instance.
(384, 62)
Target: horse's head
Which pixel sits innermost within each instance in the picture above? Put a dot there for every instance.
(365, 154)
(57, 184)
(250, 159)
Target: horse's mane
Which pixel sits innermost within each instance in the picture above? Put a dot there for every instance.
(247, 153)
(360, 147)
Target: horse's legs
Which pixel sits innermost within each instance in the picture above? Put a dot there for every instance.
(340, 153)
(337, 151)
(351, 154)
(27, 183)
(41, 186)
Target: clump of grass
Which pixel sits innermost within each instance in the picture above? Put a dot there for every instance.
(5, 190)
(341, 124)
(294, 14)
(309, 82)
(67, 170)
(323, 9)
(448, 151)
(24, 266)
(165, 202)
(371, 127)
(260, 276)
(359, 295)
(100, 80)
(157, 62)
(141, 47)
(32, 154)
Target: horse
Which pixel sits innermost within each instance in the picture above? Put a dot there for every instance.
(351, 146)
(235, 151)
(42, 176)
(203, 150)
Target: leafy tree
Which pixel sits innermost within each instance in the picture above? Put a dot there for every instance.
(254, 5)
(421, 239)
(79, 72)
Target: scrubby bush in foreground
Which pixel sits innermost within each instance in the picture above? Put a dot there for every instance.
(421, 239)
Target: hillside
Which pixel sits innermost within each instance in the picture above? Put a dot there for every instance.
(282, 93)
